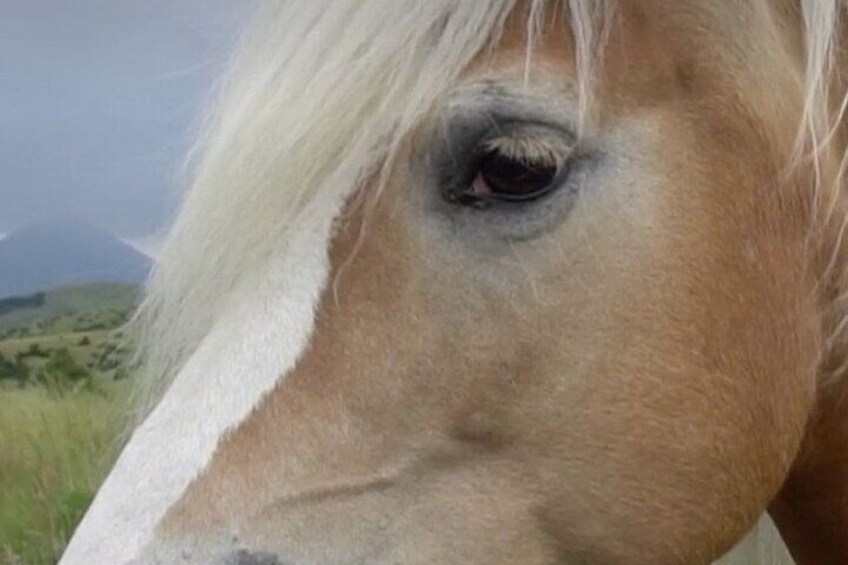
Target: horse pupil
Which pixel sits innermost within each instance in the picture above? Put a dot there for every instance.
(509, 177)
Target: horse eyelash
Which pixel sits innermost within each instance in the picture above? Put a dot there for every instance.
(531, 149)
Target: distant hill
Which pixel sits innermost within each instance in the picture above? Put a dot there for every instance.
(86, 324)
(89, 307)
(66, 251)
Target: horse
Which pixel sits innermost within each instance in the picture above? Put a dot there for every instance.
(502, 281)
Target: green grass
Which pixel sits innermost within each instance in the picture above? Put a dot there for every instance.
(102, 352)
(59, 436)
(87, 307)
(55, 449)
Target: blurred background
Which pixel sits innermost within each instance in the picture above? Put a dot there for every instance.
(97, 99)
(98, 102)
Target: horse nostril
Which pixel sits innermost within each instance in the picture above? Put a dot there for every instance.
(245, 557)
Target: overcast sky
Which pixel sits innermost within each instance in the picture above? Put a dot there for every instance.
(97, 98)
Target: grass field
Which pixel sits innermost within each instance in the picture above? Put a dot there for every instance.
(71, 309)
(58, 437)
(101, 352)
(54, 450)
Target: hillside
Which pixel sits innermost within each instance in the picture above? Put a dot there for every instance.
(89, 307)
(65, 251)
(64, 400)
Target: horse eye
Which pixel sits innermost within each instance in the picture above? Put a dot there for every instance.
(501, 177)
(511, 170)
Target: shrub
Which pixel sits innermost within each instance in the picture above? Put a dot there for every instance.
(63, 366)
(35, 350)
(8, 369)
(16, 370)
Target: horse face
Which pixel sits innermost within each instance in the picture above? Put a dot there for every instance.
(545, 342)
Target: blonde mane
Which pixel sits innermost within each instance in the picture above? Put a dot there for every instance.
(319, 95)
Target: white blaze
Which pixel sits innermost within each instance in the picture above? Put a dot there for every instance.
(255, 341)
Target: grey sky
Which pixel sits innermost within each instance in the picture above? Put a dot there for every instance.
(96, 102)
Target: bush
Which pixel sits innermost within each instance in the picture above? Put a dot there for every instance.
(36, 351)
(7, 369)
(63, 366)
(15, 370)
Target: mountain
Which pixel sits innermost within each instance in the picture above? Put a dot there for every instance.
(66, 251)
